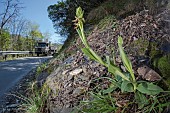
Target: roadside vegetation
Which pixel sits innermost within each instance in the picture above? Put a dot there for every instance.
(37, 100)
(36, 97)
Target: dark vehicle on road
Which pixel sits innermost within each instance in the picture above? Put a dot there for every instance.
(44, 48)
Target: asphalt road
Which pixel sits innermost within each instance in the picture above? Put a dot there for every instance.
(12, 71)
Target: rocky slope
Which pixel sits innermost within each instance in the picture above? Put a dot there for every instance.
(143, 37)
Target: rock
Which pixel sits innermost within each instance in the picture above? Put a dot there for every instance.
(79, 91)
(55, 72)
(70, 89)
(66, 110)
(52, 80)
(68, 60)
(61, 110)
(123, 68)
(70, 77)
(122, 103)
(65, 72)
(84, 77)
(54, 109)
(148, 73)
(76, 72)
(118, 59)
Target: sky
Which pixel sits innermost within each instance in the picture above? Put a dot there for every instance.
(36, 11)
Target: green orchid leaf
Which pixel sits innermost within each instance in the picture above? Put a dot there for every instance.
(143, 88)
(153, 87)
(114, 83)
(120, 40)
(124, 77)
(79, 33)
(127, 86)
(141, 100)
(118, 78)
(81, 25)
(116, 71)
(124, 57)
(81, 36)
(112, 69)
(108, 60)
(110, 89)
(88, 53)
(149, 88)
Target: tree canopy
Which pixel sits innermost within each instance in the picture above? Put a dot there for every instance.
(62, 13)
(4, 39)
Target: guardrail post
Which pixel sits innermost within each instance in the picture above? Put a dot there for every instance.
(5, 57)
(13, 55)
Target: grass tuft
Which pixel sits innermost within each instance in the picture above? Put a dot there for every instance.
(36, 101)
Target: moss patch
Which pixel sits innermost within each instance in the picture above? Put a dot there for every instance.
(139, 46)
(163, 64)
(154, 51)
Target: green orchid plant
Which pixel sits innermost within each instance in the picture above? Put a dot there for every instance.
(128, 83)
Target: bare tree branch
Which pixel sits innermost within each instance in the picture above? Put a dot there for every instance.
(11, 11)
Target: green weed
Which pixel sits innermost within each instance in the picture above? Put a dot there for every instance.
(41, 68)
(100, 104)
(36, 101)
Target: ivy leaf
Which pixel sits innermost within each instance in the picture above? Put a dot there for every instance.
(127, 86)
(149, 88)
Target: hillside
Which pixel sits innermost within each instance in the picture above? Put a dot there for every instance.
(144, 37)
(122, 64)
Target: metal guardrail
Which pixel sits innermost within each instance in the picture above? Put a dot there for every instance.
(2, 53)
